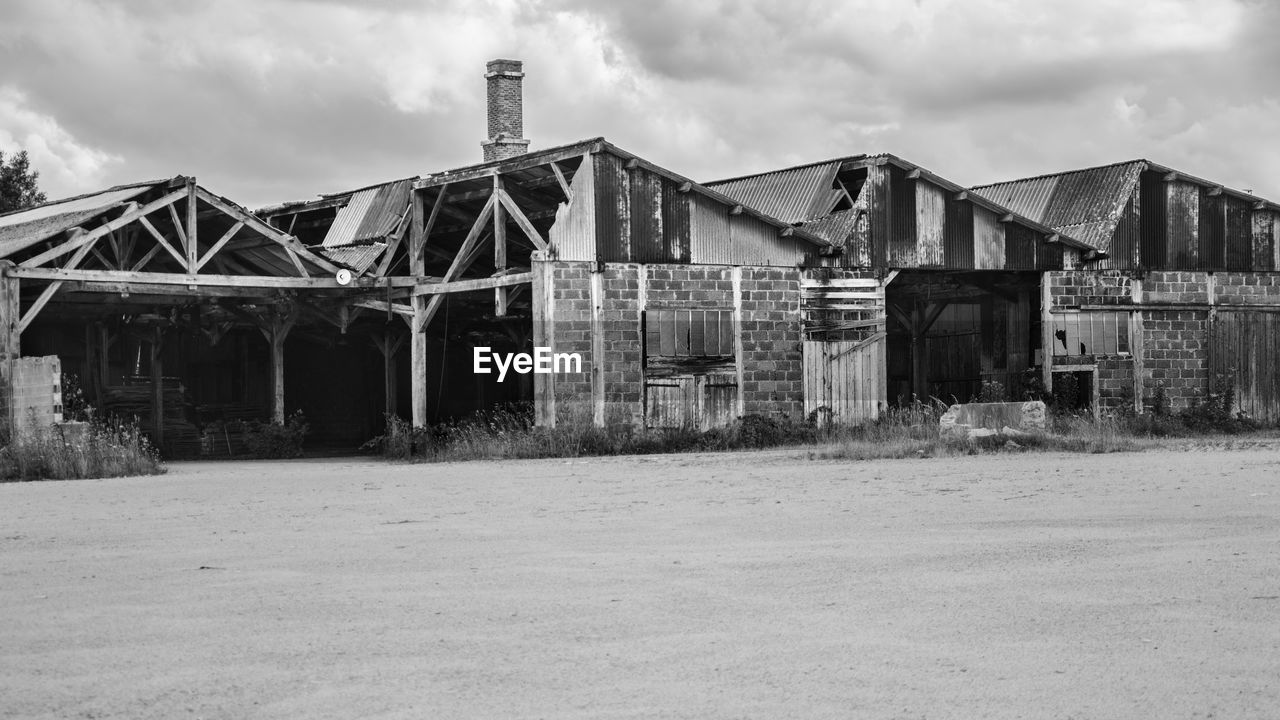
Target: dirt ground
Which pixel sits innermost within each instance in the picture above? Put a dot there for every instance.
(754, 585)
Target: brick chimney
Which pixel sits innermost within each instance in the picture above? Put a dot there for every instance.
(506, 111)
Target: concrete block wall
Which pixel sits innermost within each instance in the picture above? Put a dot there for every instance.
(31, 392)
(1175, 310)
(773, 382)
(773, 367)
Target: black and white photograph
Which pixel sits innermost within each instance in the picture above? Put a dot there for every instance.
(582, 359)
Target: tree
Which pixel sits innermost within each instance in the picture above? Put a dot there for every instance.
(18, 183)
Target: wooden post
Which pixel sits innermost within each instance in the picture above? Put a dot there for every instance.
(1046, 331)
(10, 314)
(193, 252)
(417, 338)
(157, 388)
(542, 300)
(280, 327)
(389, 346)
(499, 248)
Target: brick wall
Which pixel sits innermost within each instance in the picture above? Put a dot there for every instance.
(772, 367)
(31, 392)
(1115, 383)
(1095, 287)
(1247, 288)
(1175, 354)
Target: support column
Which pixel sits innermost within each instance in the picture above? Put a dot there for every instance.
(157, 387)
(10, 314)
(417, 338)
(1046, 331)
(542, 302)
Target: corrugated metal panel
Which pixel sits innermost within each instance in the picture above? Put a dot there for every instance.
(613, 209)
(675, 222)
(1094, 198)
(1125, 239)
(755, 242)
(1210, 235)
(837, 227)
(647, 244)
(903, 245)
(958, 239)
(371, 214)
(710, 242)
(1154, 202)
(792, 195)
(1183, 230)
(931, 221)
(1239, 230)
(1019, 247)
(573, 234)
(357, 257)
(38, 223)
(1264, 235)
(988, 240)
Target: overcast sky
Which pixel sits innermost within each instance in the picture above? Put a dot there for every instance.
(272, 100)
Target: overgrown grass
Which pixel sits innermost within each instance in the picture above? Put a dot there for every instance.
(107, 449)
(911, 431)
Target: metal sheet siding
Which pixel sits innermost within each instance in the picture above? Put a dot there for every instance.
(1154, 233)
(357, 257)
(647, 244)
(792, 195)
(675, 222)
(348, 220)
(931, 222)
(903, 250)
(1019, 247)
(573, 234)
(958, 239)
(1264, 233)
(1210, 235)
(1183, 229)
(1239, 234)
(988, 240)
(613, 209)
(710, 242)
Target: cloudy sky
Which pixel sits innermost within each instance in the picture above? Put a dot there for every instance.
(272, 100)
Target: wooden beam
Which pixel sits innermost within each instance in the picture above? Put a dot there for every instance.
(273, 234)
(564, 184)
(146, 258)
(10, 313)
(530, 161)
(384, 306)
(177, 228)
(457, 286)
(914, 174)
(88, 237)
(516, 214)
(499, 247)
(685, 187)
(47, 294)
(222, 241)
(243, 281)
(161, 241)
(193, 250)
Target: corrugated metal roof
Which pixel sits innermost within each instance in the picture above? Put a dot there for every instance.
(1084, 204)
(792, 195)
(44, 221)
(371, 215)
(836, 227)
(357, 257)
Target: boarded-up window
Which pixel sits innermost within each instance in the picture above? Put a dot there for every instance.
(688, 333)
(1091, 333)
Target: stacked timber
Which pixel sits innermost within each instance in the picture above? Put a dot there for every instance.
(133, 402)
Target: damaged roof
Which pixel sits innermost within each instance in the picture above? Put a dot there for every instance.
(23, 228)
(792, 195)
(1085, 204)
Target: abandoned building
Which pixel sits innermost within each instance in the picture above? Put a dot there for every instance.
(827, 291)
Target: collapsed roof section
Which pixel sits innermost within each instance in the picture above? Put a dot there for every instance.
(1142, 214)
(883, 211)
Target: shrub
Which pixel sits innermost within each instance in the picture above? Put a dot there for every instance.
(278, 440)
(110, 448)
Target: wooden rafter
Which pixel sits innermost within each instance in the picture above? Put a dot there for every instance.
(160, 239)
(271, 233)
(88, 237)
(564, 184)
(516, 214)
(222, 241)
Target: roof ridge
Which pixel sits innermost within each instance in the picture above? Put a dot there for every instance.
(1060, 173)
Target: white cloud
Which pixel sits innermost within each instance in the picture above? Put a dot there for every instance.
(66, 166)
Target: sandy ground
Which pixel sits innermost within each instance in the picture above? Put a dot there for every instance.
(757, 585)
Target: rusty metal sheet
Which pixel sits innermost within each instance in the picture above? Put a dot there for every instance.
(613, 208)
(372, 214)
(792, 195)
(358, 258)
(1092, 200)
(675, 222)
(645, 190)
(1238, 227)
(1154, 204)
(1183, 229)
(45, 221)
